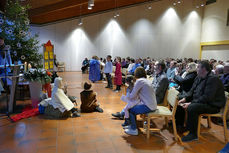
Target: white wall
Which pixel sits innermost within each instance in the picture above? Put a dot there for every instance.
(214, 29)
(161, 32)
(216, 52)
(214, 22)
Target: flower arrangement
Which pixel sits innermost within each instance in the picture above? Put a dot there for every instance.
(38, 75)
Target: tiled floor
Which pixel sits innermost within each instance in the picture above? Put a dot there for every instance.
(96, 132)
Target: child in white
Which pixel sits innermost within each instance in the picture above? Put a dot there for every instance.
(130, 102)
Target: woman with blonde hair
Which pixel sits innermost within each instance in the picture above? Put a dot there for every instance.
(186, 80)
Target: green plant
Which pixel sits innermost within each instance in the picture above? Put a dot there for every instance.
(38, 75)
(15, 29)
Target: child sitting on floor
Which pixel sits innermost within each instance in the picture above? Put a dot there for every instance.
(88, 99)
(59, 105)
(130, 103)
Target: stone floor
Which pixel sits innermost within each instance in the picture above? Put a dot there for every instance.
(97, 132)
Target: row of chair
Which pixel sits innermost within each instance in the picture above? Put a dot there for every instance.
(168, 110)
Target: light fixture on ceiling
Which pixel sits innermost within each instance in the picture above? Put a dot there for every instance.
(174, 3)
(200, 3)
(91, 3)
(89, 7)
(178, 2)
(80, 22)
(149, 4)
(116, 14)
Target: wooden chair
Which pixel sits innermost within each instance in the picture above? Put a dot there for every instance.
(61, 65)
(163, 111)
(165, 102)
(222, 114)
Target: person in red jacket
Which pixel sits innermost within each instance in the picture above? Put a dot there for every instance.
(118, 75)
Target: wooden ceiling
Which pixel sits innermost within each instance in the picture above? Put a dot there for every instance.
(46, 11)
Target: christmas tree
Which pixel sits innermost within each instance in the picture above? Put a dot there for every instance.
(15, 29)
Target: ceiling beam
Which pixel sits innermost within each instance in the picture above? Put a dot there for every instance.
(56, 7)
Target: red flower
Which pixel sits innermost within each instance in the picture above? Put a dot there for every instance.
(49, 73)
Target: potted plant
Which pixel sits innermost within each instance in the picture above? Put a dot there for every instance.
(37, 78)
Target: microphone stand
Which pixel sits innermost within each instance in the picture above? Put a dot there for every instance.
(7, 114)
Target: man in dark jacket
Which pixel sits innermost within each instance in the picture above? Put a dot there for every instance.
(205, 97)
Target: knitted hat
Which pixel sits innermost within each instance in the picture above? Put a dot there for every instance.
(86, 85)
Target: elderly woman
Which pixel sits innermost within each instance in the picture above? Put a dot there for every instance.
(186, 80)
(145, 92)
(225, 77)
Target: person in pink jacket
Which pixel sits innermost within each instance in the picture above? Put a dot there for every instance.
(118, 75)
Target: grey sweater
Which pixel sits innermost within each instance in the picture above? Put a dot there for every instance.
(144, 90)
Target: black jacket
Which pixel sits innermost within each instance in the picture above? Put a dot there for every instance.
(209, 91)
(186, 82)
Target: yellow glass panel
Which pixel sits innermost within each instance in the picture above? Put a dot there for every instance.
(51, 55)
(46, 65)
(51, 64)
(46, 55)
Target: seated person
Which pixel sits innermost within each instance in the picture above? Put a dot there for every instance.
(171, 73)
(225, 77)
(85, 65)
(136, 65)
(219, 70)
(131, 65)
(60, 105)
(144, 92)
(160, 84)
(88, 100)
(186, 80)
(130, 103)
(1, 87)
(206, 96)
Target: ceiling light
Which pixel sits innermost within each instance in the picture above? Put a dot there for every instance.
(80, 22)
(174, 3)
(202, 5)
(179, 2)
(91, 3)
(117, 14)
(89, 7)
(149, 7)
(197, 6)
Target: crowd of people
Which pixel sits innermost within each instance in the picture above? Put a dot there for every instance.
(201, 84)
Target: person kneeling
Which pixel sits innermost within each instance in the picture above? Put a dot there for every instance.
(88, 100)
(59, 105)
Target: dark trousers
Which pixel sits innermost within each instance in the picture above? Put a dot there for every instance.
(193, 112)
(109, 80)
(118, 87)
